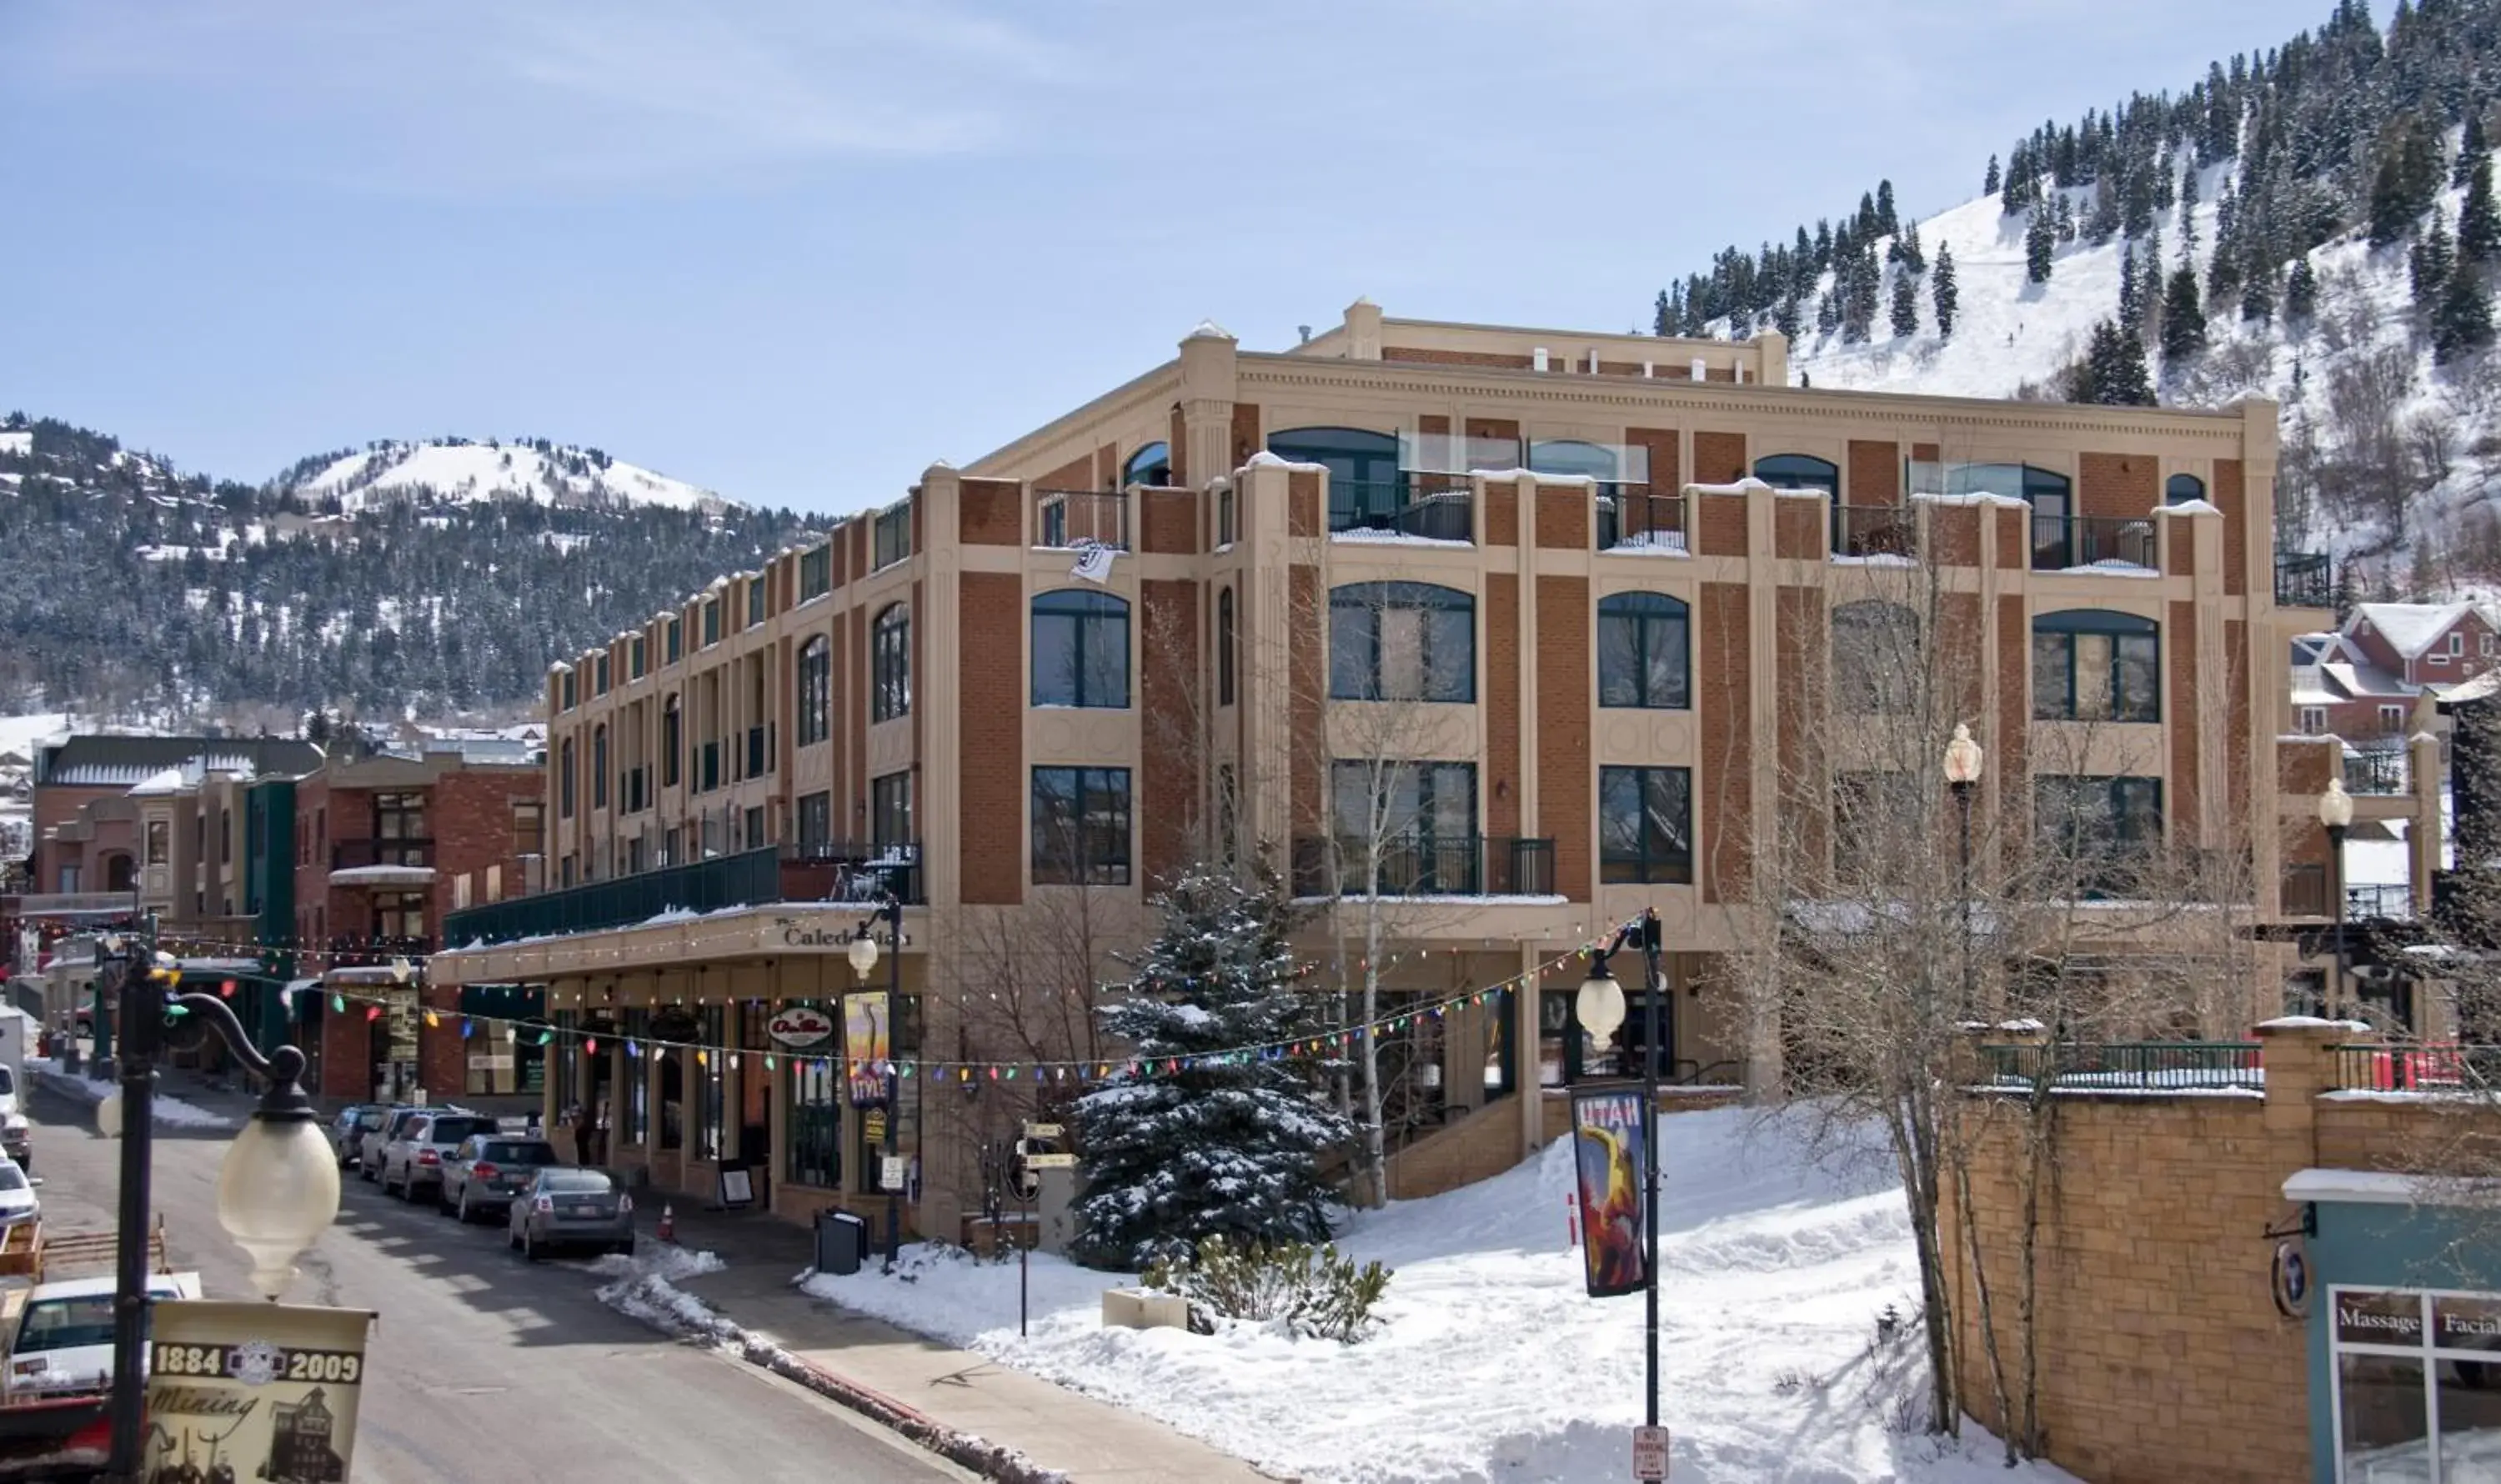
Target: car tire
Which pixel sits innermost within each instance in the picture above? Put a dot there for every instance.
(442, 1200)
(462, 1210)
(511, 1240)
(364, 1172)
(529, 1247)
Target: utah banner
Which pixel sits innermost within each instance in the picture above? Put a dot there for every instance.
(255, 1391)
(1607, 1153)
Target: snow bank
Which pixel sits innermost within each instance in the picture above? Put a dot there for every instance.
(1494, 1365)
(170, 1112)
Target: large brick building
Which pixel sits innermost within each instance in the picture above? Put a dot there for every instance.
(1572, 585)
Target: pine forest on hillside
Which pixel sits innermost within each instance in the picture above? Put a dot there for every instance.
(139, 592)
(2315, 223)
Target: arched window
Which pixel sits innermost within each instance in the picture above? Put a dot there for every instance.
(1080, 649)
(1877, 659)
(564, 779)
(673, 732)
(599, 766)
(2092, 665)
(816, 691)
(2180, 489)
(1149, 465)
(1799, 471)
(1402, 641)
(889, 664)
(1365, 488)
(1644, 652)
(1225, 648)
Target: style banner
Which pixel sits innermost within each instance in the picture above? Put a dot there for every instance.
(253, 1391)
(1607, 1133)
(866, 1045)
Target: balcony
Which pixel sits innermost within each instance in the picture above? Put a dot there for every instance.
(1631, 518)
(1860, 531)
(1469, 865)
(1431, 507)
(2306, 894)
(394, 863)
(1074, 518)
(385, 952)
(2304, 580)
(2376, 769)
(2393, 901)
(2074, 543)
(807, 873)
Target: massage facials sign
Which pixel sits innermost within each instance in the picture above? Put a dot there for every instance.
(254, 1390)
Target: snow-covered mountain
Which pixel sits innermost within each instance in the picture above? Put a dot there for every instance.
(436, 470)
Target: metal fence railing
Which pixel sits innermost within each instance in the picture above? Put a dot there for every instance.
(1439, 506)
(2389, 899)
(2436, 1067)
(2060, 543)
(2376, 769)
(1463, 866)
(2124, 1065)
(1874, 530)
(1072, 518)
(1632, 517)
(2304, 580)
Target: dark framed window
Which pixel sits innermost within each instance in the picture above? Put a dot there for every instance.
(1877, 659)
(399, 816)
(399, 914)
(599, 766)
(599, 668)
(1416, 821)
(2180, 489)
(815, 819)
(758, 592)
(813, 1121)
(1151, 465)
(2093, 832)
(564, 778)
(889, 664)
(816, 691)
(1225, 647)
(1646, 825)
(634, 1115)
(1081, 827)
(672, 741)
(1081, 650)
(1799, 471)
(889, 809)
(1644, 652)
(639, 654)
(1362, 466)
(711, 622)
(817, 572)
(2092, 665)
(891, 536)
(568, 695)
(677, 640)
(710, 1074)
(1402, 641)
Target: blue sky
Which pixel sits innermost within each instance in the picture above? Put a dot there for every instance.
(797, 250)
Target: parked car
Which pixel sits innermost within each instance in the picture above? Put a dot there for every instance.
(19, 1203)
(369, 1140)
(481, 1178)
(348, 1129)
(568, 1206)
(17, 1135)
(63, 1342)
(414, 1162)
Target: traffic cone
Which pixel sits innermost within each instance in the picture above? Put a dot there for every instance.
(668, 1224)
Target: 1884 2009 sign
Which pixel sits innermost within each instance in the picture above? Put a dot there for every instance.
(254, 1390)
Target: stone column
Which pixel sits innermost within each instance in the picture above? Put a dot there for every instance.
(2299, 1056)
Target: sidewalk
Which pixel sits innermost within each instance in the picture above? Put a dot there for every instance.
(1089, 1441)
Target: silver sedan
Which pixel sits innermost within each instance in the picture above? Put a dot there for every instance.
(567, 1206)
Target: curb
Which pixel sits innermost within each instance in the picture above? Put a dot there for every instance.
(75, 1089)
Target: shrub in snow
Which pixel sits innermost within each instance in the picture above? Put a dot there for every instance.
(1313, 1291)
(1196, 1137)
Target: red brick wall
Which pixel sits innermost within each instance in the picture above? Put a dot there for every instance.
(1502, 513)
(1502, 704)
(1666, 471)
(1075, 474)
(1566, 789)
(1563, 516)
(1718, 458)
(2014, 535)
(2180, 654)
(2236, 690)
(1457, 358)
(1953, 536)
(1246, 432)
(1169, 517)
(2119, 485)
(1799, 639)
(1168, 806)
(1179, 440)
(1797, 528)
(990, 766)
(1721, 520)
(1875, 474)
(1726, 782)
(2011, 747)
(2230, 495)
(1307, 684)
(1303, 503)
(989, 513)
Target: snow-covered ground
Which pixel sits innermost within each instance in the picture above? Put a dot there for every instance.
(1493, 1364)
(468, 471)
(170, 1112)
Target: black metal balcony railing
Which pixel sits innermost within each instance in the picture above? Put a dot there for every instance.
(772, 873)
(1437, 506)
(2380, 769)
(1874, 530)
(1632, 518)
(2304, 580)
(379, 951)
(2125, 1066)
(349, 854)
(2380, 899)
(2062, 543)
(1071, 518)
(1468, 865)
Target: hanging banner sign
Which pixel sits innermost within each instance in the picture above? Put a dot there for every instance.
(255, 1391)
(1607, 1156)
(866, 1046)
(800, 1025)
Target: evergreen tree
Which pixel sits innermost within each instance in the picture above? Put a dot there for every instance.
(2188, 213)
(1197, 1137)
(2130, 318)
(2040, 244)
(1788, 318)
(2474, 150)
(1989, 182)
(1663, 319)
(2463, 325)
(2115, 372)
(2066, 222)
(1942, 290)
(2405, 181)
(2183, 319)
(2301, 293)
(2429, 264)
(1887, 223)
(1906, 305)
(2478, 228)
(1827, 314)
(2257, 296)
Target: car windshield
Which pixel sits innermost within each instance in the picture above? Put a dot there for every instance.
(519, 1154)
(575, 1182)
(451, 1131)
(400, 1127)
(68, 1324)
(8, 1084)
(11, 1178)
(370, 1118)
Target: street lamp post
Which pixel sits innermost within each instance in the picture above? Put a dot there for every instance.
(1600, 1009)
(1964, 758)
(864, 956)
(277, 1186)
(2336, 813)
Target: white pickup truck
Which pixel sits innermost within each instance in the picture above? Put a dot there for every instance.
(16, 1042)
(61, 1330)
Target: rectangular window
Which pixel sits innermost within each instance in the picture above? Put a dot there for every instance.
(159, 842)
(2414, 1383)
(1081, 827)
(2095, 833)
(890, 810)
(711, 622)
(817, 572)
(892, 536)
(399, 914)
(711, 1138)
(756, 828)
(816, 820)
(639, 652)
(1641, 652)
(2095, 675)
(1645, 825)
(599, 670)
(494, 883)
(399, 828)
(529, 828)
(2393, 719)
(891, 666)
(677, 644)
(1401, 641)
(1081, 650)
(816, 691)
(813, 1122)
(1412, 827)
(758, 590)
(2458, 644)
(2314, 720)
(1869, 809)
(565, 691)
(2483, 644)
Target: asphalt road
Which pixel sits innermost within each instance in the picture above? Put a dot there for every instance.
(484, 1366)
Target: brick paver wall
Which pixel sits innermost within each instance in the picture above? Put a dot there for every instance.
(990, 767)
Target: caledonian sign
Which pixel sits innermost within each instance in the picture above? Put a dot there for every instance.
(255, 1391)
(794, 934)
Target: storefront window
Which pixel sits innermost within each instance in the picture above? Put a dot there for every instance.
(708, 1129)
(2418, 1386)
(636, 1025)
(814, 1122)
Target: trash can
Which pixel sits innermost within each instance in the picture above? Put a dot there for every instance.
(842, 1242)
